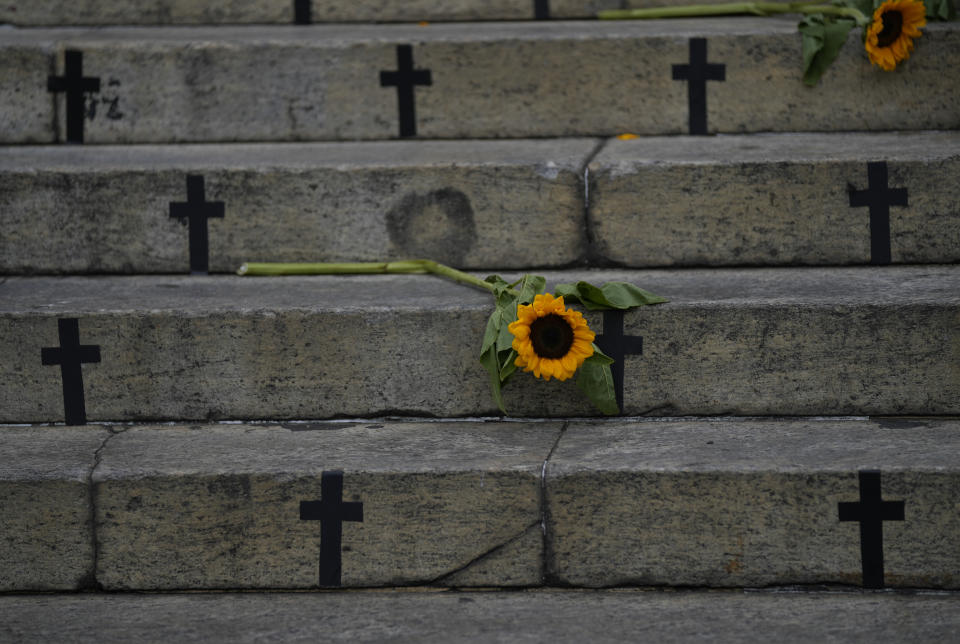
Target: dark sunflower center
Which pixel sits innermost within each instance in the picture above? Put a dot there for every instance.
(892, 26)
(551, 336)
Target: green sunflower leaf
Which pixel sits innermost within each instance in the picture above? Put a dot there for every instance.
(504, 337)
(612, 295)
(823, 37)
(530, 285)
(507, 366)
(501, 295)
(497, 281)
(489, 361)
(865, 7)
(596, 381)
(941, 9)
(492, 330)
(493, 351)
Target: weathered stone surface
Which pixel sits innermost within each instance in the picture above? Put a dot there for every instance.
(218, 506)
(476, 204)
(578, 616)
(772, 199)
(149, 12)
(46, 536)
(28, 114)
(489, 80)
(749, 503)
(761, 341)
(154, 12)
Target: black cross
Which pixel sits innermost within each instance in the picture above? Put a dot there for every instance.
(617, 345)
(196, 210)
(70, 355)
(331, 511)
(301, 12)
(73, 83)
(405, 78)
(871, 512)
(878, 197)
(697, 73)
(541, 9)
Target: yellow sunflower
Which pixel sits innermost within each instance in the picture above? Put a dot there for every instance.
(550, 340)
(891, 32)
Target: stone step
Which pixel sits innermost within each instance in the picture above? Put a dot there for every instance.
(207, 12)
(639, 502)
(852, 341)
(739, 199)
(473, 204)
(777, 199)
(533, 616)
(460, 80)
(156, 12)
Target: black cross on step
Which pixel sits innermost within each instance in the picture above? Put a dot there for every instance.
(70, 355)
(196, 210)
(697, 73)
(617, 345)
(302, 12)
(74, 84)
(541, 9)
(878, 197)
(871, 512)
(331, 511)
(405, 79)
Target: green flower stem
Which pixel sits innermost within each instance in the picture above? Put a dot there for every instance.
(734, 8)
(413, 266)
(329, 268)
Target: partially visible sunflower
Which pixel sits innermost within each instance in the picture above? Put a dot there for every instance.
(550, 340)
(891, 32)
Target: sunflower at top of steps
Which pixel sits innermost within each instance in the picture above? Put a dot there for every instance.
(889, 26)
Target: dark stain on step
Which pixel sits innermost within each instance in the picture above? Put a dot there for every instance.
(439, 225)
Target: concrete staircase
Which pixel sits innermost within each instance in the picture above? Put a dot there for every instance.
(790, 430)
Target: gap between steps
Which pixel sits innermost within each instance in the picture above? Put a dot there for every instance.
(546, 550)
(89, 581)
(541, 521)
(591, 255)
(120, 426)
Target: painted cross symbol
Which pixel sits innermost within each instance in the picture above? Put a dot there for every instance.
(697, 73)
(70, 355)
(301, 12)
(871, 511)
(73, 83)
(878, 197)
(331, 511)
(541, 9)
(405, 79)
(196, 210)
(617, 345)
